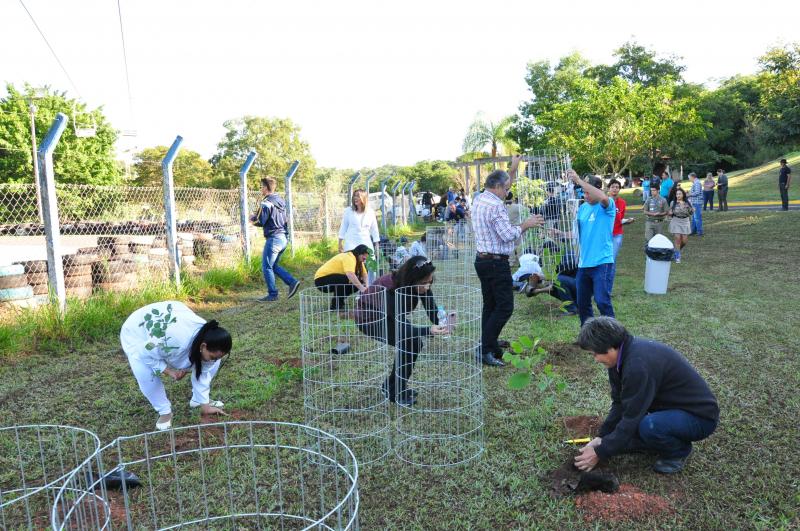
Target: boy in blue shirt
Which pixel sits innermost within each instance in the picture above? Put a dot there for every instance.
(595, 223)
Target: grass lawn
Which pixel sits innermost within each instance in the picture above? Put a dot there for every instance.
(753, 184)
(731, 310)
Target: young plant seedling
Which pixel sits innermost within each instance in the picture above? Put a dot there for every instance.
(156, 324)
(529, 357)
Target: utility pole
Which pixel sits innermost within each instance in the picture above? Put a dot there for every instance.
(32, 109)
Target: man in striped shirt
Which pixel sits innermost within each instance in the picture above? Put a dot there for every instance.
(495, 237)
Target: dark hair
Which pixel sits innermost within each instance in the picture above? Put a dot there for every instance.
(599, 334)
(681, 190)
(269, 183)
(416, 269)
(659, 168)
(358, 251)
(496, 178)
(216, 338)
(595, 181)
(783, 161)
(612, 182)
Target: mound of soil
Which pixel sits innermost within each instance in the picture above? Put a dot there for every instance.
(568, 480)
(582, 426)
(627, 504)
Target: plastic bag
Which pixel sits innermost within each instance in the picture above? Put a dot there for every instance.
(661, 255)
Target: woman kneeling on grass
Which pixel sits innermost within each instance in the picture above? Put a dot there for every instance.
(169, 338)
(343, 275)
(680, 226)
(370, 315)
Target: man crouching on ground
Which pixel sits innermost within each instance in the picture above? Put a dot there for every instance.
(659, 403)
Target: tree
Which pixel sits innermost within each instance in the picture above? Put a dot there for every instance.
(483, 133)
(190, 169)
(637, 64)
(611, 125)
(779, 82)
(434, 175)
(88, 160)
(277, 142)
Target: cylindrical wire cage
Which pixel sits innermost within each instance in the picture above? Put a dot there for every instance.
(452, 249)
(438, 375)
(35, 460)
(345, 364)
(227, 475)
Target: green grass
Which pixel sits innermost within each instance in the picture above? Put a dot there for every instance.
(731, 310)
(752, 184)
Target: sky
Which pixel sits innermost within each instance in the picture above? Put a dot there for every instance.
(369, 82)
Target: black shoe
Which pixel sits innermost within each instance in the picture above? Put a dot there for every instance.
(489, 359)
(407, 399)
(293, 290)
(267, 298)
(670, 466)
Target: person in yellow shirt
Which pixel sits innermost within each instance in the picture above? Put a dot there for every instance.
(343, 275)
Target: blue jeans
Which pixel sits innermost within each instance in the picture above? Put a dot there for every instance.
(617, 241)
(670, 433)
(593, 281)
(273, 249)
(566, 292)
(697, 219)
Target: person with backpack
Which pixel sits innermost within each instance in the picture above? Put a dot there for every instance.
(272, 217)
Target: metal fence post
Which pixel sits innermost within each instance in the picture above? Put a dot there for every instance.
(394, 203)
(412, 217)
(171, 223)
(478, 183)
(366, 184)
(288, 198)
(353, 180)
(243, 214)
(403, 202)
(47, 184)
(383, 204)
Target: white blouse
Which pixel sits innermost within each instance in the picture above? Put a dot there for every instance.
(358, 228)
(135, 337)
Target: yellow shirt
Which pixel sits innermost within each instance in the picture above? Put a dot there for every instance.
(338, 265)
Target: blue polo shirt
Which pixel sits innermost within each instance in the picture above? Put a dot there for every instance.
(595, 225)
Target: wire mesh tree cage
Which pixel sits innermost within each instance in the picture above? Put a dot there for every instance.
(35, 460)
(441, 421)
(452, 248)
(344, 369)
(227, 475)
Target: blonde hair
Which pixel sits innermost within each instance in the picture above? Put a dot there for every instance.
(362, 194)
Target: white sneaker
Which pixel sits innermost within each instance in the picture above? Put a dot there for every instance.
(163, 426)
(212, 403)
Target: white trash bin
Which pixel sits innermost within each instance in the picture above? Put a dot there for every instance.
(659, 251)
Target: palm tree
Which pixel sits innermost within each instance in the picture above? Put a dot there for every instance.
(483, 132)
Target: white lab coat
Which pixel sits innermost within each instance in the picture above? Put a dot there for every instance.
(359, 228)
(134, 336)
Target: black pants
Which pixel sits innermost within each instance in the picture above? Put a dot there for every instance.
(406, 352)
(339, 285)
(784, 195)
(498, 300)
(722, 198)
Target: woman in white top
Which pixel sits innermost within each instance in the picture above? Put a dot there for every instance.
(359, 224)
(169, 338)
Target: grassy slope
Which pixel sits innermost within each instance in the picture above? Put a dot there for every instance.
(753, 184)
(728, 310)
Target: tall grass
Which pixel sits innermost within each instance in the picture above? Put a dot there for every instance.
(413, 229)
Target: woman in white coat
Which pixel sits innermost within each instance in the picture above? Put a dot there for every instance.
(167, 338)
(359, 224)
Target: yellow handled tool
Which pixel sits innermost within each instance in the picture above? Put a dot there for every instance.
(578, 441)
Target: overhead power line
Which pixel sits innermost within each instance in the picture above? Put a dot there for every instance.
(74, 86)
(125, 60)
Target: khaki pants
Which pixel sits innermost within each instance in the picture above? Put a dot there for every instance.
(651, 228)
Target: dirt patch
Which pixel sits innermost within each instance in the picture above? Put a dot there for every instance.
(627, 504)
(294, 363)
(564, 350)
(568, 480)
(582, 426)
(116, 506)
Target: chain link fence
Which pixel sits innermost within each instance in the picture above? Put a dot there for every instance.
(114, 237)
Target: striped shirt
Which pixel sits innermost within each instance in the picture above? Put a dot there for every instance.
(696, 193)
(494, 233)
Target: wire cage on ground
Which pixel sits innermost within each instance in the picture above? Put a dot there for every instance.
(438, 376)
(35, 460)
(227, 475)
(451, 247)
(344, 367)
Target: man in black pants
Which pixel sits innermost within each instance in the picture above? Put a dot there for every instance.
(722, 191)
(659, 402)
(495, 237)
(784, 179)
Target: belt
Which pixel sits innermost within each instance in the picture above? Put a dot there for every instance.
(493, 256)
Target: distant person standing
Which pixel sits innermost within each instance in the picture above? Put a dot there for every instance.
(495, 238)
(680, 226)
(708, 191)
(722, 190)
(658, 174)
(655, 208)
(359, 224)
(666, 186)
(784, 179)
(696, 200)
(617, 233)
(595, 222)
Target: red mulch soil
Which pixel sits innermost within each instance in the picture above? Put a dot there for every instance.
(295, 363)
(582, 426)
(116, 505)
(627, 504)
